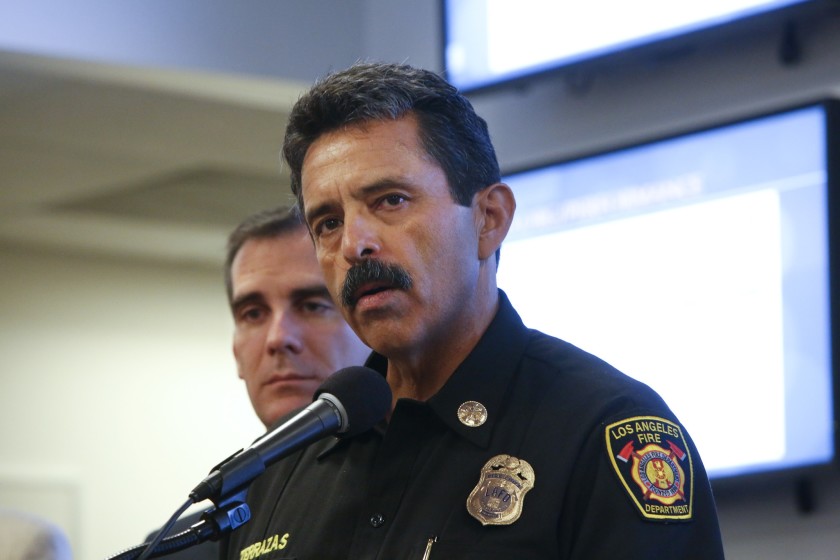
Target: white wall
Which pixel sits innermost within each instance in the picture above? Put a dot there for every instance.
(119, 392)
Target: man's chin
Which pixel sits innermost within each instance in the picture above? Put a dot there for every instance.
(387, 338)
(286, 406)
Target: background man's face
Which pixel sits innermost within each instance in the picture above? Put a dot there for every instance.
(288, 334)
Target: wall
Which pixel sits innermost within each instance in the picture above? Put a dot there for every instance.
(119, 392)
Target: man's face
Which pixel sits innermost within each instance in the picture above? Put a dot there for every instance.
(288, 334)
(372, 193)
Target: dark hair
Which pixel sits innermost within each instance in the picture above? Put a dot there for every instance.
(266, 224)
(450, 131)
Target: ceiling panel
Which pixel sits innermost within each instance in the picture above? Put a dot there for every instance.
(127, 161)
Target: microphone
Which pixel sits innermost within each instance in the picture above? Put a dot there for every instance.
(348, 403)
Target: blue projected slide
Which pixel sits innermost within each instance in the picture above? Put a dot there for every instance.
(698, 265)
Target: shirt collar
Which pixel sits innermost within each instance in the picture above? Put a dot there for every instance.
(484, 376)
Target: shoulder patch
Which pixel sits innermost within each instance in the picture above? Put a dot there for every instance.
(653, 463)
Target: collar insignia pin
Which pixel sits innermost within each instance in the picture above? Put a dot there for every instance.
(472, 414)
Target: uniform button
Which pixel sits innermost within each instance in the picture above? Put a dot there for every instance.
(377, 520)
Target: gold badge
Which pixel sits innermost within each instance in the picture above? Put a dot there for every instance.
(651, 458)
(472, 414)
(497, 498)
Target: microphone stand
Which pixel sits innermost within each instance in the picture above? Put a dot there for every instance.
(228, 515)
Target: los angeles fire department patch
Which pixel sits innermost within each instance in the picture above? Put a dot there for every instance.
(653, 462)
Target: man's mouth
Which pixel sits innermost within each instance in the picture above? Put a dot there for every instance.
(290, 377)
(369, 290)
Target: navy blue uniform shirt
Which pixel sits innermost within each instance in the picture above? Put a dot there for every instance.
(573, 460)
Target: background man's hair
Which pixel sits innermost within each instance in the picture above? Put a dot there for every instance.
(266, 224)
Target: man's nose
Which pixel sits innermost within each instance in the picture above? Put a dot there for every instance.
(360, 237)
(285, 334)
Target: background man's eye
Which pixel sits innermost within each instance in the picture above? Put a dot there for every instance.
(315, 307)
(251, 314)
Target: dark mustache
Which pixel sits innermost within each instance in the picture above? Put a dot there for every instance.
(372, 270)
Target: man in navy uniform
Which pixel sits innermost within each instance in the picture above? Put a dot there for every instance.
(502, 442)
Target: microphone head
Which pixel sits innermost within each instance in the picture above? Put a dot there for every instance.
(363, 393)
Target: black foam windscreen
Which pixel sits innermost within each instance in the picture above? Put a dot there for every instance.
(364, 394)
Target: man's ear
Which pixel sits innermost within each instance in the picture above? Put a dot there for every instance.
(235, 357)
(495, 208)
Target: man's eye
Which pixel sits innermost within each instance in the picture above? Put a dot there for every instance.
(315, 307)
(326, 226)
(251, 314)
(394, 199)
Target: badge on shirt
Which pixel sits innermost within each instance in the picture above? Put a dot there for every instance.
(497, 498)
(653, 463)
